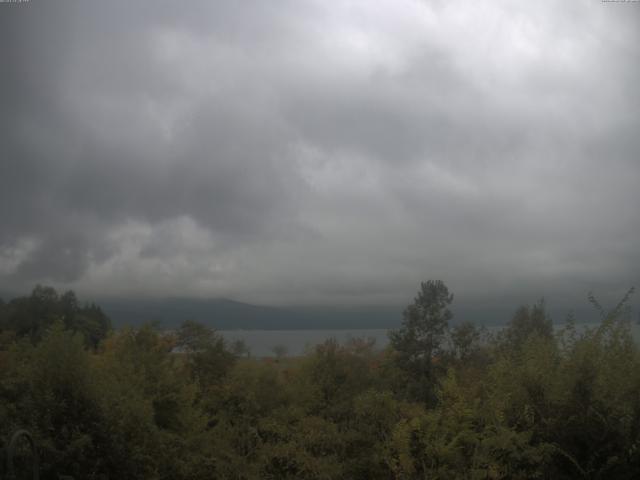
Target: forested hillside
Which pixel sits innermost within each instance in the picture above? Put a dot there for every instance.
(440, 402)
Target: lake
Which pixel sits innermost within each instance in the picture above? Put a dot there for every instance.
(296, 342)
(261, 342)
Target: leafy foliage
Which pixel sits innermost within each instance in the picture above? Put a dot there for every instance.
(419, 341)
(146, 404)
(30, 317)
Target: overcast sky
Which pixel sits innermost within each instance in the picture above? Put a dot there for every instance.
(320, 152)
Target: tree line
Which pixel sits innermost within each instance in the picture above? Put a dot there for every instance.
(440, 402)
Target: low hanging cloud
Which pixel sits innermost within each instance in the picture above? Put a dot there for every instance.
(320, 153)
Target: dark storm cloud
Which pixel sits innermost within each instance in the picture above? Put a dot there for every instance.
(81, 144)
(296, 151)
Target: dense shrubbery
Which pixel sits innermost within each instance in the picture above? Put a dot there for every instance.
(438, 403)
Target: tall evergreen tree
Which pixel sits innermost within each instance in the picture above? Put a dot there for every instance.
(418, 342)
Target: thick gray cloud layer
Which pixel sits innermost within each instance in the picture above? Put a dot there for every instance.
(320, 152)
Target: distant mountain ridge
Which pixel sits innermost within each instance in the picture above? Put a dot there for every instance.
(225, 314)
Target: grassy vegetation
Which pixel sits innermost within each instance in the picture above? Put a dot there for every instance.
(439, 402)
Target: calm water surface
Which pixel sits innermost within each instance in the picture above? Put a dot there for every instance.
(297, 342)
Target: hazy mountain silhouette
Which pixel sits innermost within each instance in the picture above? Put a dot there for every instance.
(224, 314)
